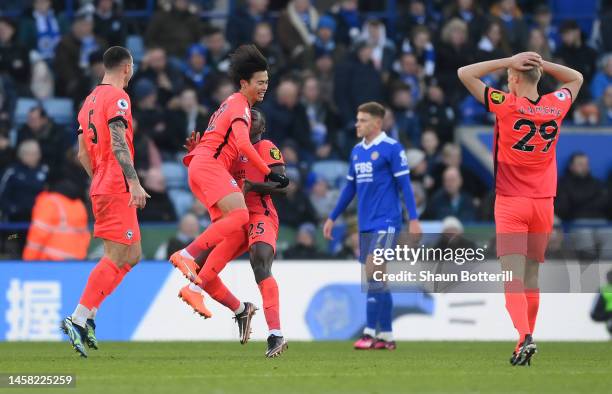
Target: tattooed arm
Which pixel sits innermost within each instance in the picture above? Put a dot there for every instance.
(122, 154)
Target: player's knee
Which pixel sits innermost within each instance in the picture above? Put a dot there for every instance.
(261, 263)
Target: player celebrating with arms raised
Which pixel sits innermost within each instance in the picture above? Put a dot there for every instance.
(526, 131)
(106, 152)
(378, 171)
(226, 136)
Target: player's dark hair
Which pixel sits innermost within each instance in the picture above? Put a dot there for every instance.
(373, 108)
(246, 61)
(114, 56)
(260, 116)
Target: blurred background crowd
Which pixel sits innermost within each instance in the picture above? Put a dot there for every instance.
(326, 57)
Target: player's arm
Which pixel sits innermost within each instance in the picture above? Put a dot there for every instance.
(346, 196)
(83, 155)
(401, 174)
(122, 154)
(268, 187)
(470, 75)
(570, 78)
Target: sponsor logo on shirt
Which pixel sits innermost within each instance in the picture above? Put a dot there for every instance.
(122, 104)
(497, 97)
(129, 234)
(275, 154)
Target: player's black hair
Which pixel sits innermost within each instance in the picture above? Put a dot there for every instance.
(260, 116)
(114, 56)
(246, 61)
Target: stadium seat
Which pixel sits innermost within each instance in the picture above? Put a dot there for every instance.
(136, 46)
(333, 171)
(60, 109)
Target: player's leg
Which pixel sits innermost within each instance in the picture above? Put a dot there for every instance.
(374, 291)
(384, 338)
(532, 291)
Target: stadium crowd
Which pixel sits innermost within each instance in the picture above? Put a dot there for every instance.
(325, 59)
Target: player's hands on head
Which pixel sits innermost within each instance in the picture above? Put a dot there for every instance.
(327, 228)
(138, 196)
(281, 179)
(192, 141)
(525, 61)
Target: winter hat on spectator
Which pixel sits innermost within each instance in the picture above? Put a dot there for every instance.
(568, 25)
(327, 22)
(197, 49)
(308, 228)
(144, 88)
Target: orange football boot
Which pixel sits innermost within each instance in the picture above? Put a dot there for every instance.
(187, 266)
(195, 299)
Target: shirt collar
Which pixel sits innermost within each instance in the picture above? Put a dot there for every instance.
(376, 141)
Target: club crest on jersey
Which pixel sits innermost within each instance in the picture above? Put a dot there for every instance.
(374, 155)
(560, 95)
(234, 183)
(244, 159)
(129, 234)
(275, 154)
(122, 104)
(497, 97)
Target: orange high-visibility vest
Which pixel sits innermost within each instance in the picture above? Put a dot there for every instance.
(58, 230)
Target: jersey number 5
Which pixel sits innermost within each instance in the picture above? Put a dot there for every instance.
(543, 130)
(92, 127)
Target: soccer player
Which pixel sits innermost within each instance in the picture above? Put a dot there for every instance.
(526, 131)
(106, 152)
(378, 171)
(260, 236)
(210, 180)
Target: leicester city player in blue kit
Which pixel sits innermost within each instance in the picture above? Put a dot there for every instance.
(378, 172)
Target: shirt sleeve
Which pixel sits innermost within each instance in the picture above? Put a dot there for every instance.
(498, 102)
(401, 173)
(347, 194)
(271, 154)
(241, 134)
(563, 100)
(117, 108)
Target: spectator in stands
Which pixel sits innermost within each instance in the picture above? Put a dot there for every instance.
(109, 23)
(603, 78)
(538, 43)
(188, 229)
(295, 168)
(469, 12)
(406, 119)
(6, 150)
(263, 38)
(72, 57)
(422, 47)
(356, 81)
(511, 18)
(96, 69)
(451, 157)
(59, 224)
(605, 107)
(151, 117)
(155, 67)
(305, 247)
(294, 207)
(431, 146)
(286, 116)
(350, 247)
(383, 49)
(222, 88)
(325, 42)
(218, 50)
(436, 113)
(416, 16)
(22, 182)
(493, 43)
(196, 72)
(451, 200)
(243, 20)
(410, 74)
(296, 29)
(189, 116)
(576, 54)
(175, 29)
(454, 51)
(419, 171)
(580, 195)
(543, 22)
(324, 71)
(584, 200)
(348, 21)
(322, 120)
(49, 135)
(14, 58)
(452, 236)
(323, 199)
(159, 208)
(41, 30)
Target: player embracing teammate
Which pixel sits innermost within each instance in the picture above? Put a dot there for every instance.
(526, 131)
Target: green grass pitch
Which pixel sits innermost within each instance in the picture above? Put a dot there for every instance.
(319, 367)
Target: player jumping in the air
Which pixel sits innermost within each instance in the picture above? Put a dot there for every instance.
(106, 152)
(526, 131)
(260, 236)
(226, 136)
(378, 171)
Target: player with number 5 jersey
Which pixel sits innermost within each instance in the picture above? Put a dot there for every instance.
(527, 128)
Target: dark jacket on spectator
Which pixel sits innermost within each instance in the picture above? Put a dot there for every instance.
(173, 138)
(113, 29)
(52, 141)
(294, 210)
(581, 198)
(242, 26)
(295, 37)
(448, 60)
(19, 187)
(284, 123)
(174, 31)
(303, 252)
(440, 206)
(15, 61)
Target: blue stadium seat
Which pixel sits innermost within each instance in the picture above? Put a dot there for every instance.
(60, 109)
(135, 45)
